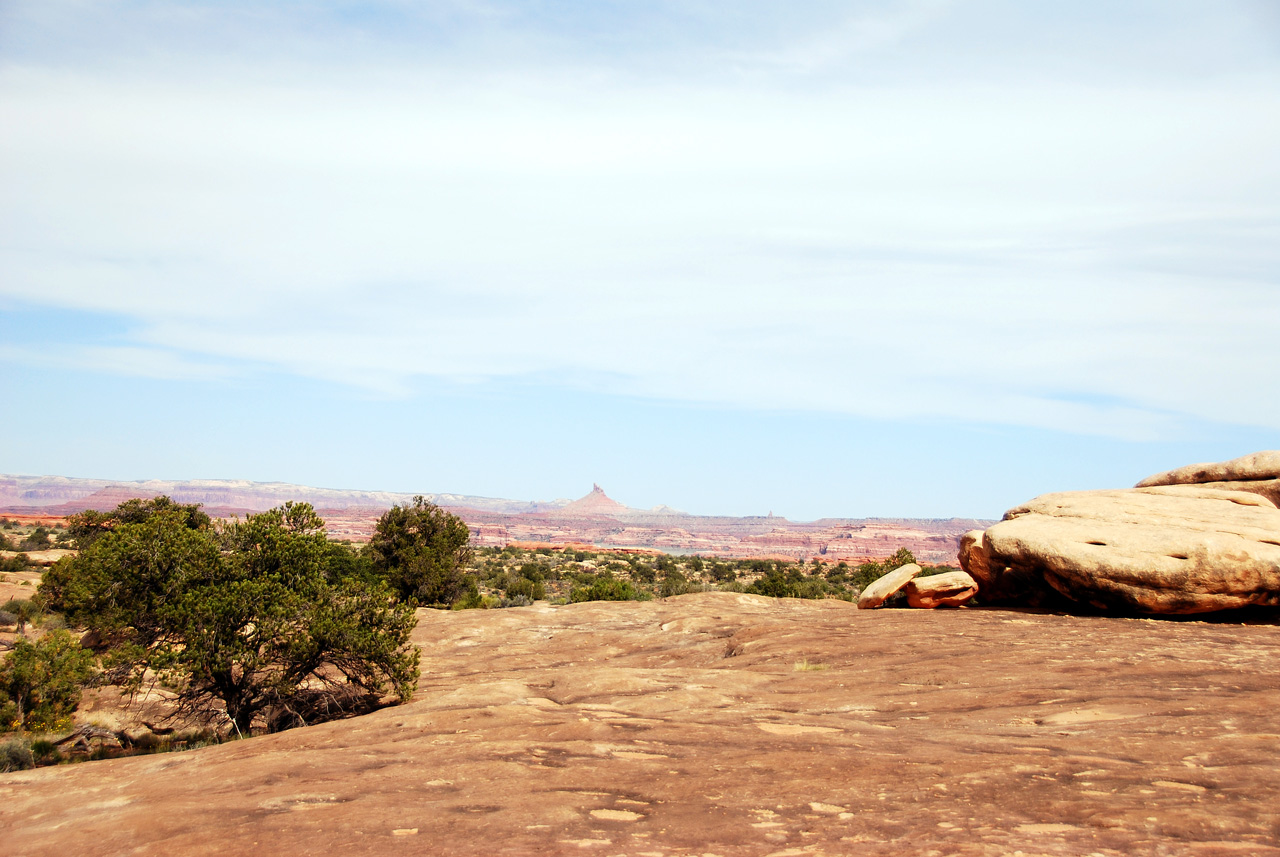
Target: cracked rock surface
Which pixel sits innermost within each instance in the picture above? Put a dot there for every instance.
(729, 724)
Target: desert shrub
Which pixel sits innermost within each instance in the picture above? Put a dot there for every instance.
(90, 525)
(534, 571)
(25, 610)
(15, 563)
(421, 551)
(791, 582)
(587, 578)
(606, 589)
(674, 583)
(523, 587)
(7, 618)
(722, 572)
(643, 573)
(40, 682)
(15, 755)
(732, 586)
(45, 752)
(38, 540)
(242, 622)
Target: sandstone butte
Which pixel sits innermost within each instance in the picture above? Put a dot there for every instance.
(731, 724)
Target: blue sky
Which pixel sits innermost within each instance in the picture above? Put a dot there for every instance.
(826, 259)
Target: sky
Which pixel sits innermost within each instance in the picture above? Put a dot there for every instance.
(830, 259)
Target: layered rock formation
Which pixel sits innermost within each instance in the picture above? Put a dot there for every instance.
(1258, 474)
(594, 520)
(1176, 543)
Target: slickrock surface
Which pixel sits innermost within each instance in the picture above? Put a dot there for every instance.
(733, 725)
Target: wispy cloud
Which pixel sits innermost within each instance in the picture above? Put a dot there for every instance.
(1094, 257)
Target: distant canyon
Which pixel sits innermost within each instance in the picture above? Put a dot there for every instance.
(593, 520)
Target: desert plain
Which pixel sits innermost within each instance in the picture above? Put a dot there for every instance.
(732, 724)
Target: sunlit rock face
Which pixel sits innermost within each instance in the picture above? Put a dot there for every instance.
(1194, 540)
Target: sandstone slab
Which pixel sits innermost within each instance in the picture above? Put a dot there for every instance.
(1258, 473)
(949, 589)
(1258, 466)
(1170, 549)
(884, 587)
(636, 729)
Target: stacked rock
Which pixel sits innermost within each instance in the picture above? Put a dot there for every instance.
(949, 589)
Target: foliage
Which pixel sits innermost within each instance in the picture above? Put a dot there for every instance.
(608, 589)
(90, 525)
(45, 752)
(40, 682)
(251, 621)
(566, 571)
(788, 583)
(15, 755)
(23, 610)
(422, 552)
(675, 583)
(37, 540)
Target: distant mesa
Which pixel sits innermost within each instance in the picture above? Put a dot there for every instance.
(595, 519)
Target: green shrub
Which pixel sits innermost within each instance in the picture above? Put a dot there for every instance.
(643, 573)
(45, 752)
(241, 618)
(605, 589)
(675, 583)
(38, 540)
(40, 682)
(421, 550)
(24, 609)
(15, 756)
(522, 587)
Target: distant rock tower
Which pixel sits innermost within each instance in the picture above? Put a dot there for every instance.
(597, 503)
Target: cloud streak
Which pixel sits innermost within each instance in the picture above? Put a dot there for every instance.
(1099, 258)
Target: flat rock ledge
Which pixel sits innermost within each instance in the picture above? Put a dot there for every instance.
(733, 725)
(1169, 546)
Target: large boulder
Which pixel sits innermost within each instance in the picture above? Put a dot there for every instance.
(882, 588)
(1178, 548)
(949, 589)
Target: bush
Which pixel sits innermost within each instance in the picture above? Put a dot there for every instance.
(24, 610)
(643, 573)
(38, 540)
(40, 682)
(242, 623)
(674, 583)
(421, 552)
(15, 756)
(607, 589)
(45, 752)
